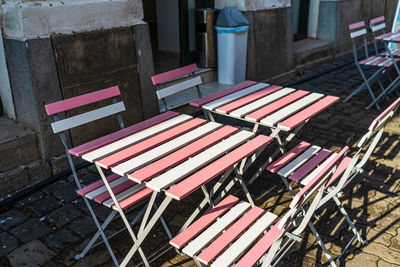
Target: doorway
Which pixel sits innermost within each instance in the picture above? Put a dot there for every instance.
(305, 15)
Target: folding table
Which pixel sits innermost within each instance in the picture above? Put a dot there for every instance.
(282, 110)
(171, 160)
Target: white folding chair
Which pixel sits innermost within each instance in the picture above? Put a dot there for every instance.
(120, 184)
(304, 161)
(234, 232)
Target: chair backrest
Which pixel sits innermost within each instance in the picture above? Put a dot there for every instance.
(60, 126)
(377, 27)
(358, 30)
(163, 93)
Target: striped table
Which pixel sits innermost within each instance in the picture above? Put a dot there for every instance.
(169, 159)
(282, 110)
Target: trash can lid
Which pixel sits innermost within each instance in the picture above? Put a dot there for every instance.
(231, 17)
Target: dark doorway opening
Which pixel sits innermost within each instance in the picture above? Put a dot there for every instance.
(300, 15)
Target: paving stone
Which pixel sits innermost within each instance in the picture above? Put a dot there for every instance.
(43, 205)
(11, 219)
(363, 259)
(30, 230)
(35, 196)
(66, 193)
(7, 243)
(34, 253)
(64, 215)
(61, 240)
(83, 227)
(382, 263)
(54, 186)
(381, 251)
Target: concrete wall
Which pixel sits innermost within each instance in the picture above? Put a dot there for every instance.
(246, 5)
(5, 88)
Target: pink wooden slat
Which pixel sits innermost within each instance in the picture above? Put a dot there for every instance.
(391, 62)
(81, 100)
(394, 53)
(300, 173)
(357, 25)
(95, 185)
(277, 105)
(182, 154)
(117, 189)
(207, 99)
(149, 143)
(203, 222)
(288, 157)
(213, 250)
(135, 198)
(307, 113)
(376, 20)
(383, 36)
(367, 60)
(318, 177)
(384, 113)
(205, 175)
(115, 136)
(261, 247)
(248, 99)
(378, 61)
(173, 74)
(339, 171)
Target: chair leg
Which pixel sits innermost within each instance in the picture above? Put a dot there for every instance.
(322, 245)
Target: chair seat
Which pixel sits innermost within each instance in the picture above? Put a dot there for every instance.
(382, 61)
(395, 52)
(126, 191)
(228, 231)
(305, 161)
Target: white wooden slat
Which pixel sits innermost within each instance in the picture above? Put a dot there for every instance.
(135, 138)
(358, 33)
(297, 162)
(101, 190)
(243, 243)
(392, 37)
(312, 174)
(176, 88)
(229, 98)
(378, 27)
(164, 149)
(285, 112)
(86, 117)
(177, 173)
(216, 228)
(243, 111)
(121, 196)
(385, 62)
(372, 61)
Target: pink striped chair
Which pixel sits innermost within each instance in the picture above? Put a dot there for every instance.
(165, 92)
(378, 29)
(235, 233)
(98, 190)
(304, 161)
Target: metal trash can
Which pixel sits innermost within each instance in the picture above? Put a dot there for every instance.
(232, 30)
(206, 38)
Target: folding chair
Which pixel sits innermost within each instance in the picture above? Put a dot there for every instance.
(304, 161)
(120, 184)
(234, 232)
(378, 28)
(164, 92)
(358, 30)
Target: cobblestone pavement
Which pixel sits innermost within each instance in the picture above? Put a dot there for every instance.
(50, 226)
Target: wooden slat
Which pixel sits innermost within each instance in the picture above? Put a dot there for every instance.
(356, 25)
(391, 62)
(376, 61)
(244, 242)
(213, 250)
(297, 162)
(203, 222)
(177, 173)
(393, 106)
(301, 172)
(358, 33)
(102, 189)
(179, 87)
(385, 62)
(390, 37)
(310, 176)
(376, 20)
(90, 116)
(287, 111)
(173, 74)
(232, 97)
(248, 99)
(124, 194)
(205, 175)
(339, 171)
(207, 99)
(97, 184)
(308, 113)
(166, 148)
(132, 200)
(82, 100)
(134, 138)
(117, 189)
(149, 143)
(115, 136)
(378, 27)
(367, 60)
(215, 229)
(179, 156)
(288, 157)
(383, 36)
(277, 105)
(251, 107)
